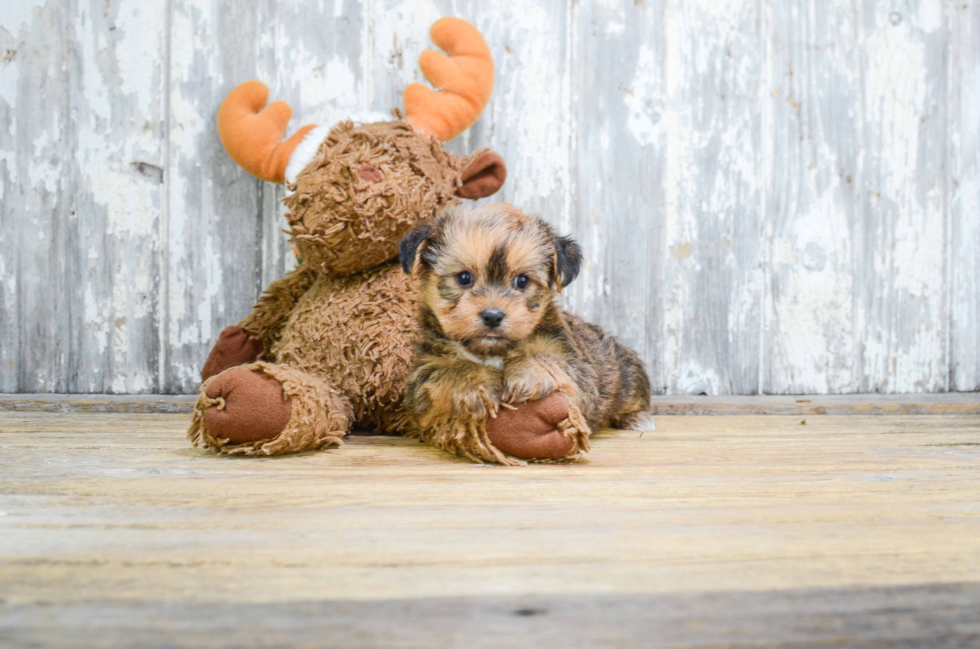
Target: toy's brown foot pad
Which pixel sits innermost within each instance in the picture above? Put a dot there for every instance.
(531, 432)
(254, 406)
(234, 347)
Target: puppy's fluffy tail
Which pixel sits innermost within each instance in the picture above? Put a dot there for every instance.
(640, 421)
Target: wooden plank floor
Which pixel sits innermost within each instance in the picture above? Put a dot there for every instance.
(741, 531)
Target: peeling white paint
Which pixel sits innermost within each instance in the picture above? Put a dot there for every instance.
(642, 99)
(16, 15)
(95, 319)
(930, 16)
(814, 300)
(691, 378)
(818, 248)
(45, 171)
(904, 344)
(713, 288)
(9, 75)
(137, 49)
(528, 86)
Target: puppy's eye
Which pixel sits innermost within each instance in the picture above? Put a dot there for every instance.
(521, 282)
(464, 279)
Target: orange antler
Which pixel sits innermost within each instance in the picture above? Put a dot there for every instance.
(463, 81)
(253, 135)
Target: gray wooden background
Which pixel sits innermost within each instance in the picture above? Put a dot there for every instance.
(777, 196)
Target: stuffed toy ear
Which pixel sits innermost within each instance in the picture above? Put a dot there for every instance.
(408, 249)
(483, 176)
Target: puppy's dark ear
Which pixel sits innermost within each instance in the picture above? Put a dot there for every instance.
(408, 249)
(568, 260)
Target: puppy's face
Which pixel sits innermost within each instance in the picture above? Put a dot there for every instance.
(488, 275)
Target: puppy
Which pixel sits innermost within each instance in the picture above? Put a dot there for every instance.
(492, 337)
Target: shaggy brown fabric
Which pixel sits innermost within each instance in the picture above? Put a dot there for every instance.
(320, 415)
(351, 225)
(234, 347)
(531, 430)
(357, 332)
(254, 407)
(275, 304)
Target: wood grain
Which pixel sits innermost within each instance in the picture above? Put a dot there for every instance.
(713, 183)
(963, 133)
(772, 197)
(212, 231)
(750, 531)
(813, 209)
(937, 616)
(35, 196)
(617, 168)
(902, 309)
(118, 109)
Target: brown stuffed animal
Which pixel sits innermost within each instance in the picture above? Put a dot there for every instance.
(329, 346)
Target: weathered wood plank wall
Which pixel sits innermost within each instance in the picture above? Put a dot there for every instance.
(778, 197)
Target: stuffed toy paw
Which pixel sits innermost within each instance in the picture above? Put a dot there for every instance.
(234, 347)
(539, 430)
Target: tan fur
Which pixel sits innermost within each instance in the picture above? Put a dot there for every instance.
(465, 370)
(337, 332)
(468, 391)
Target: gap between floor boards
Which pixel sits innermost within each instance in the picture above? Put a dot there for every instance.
(959, 403)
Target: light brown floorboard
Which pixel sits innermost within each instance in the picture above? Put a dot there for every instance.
(738, 531)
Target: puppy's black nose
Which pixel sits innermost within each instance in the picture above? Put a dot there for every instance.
(492, 317)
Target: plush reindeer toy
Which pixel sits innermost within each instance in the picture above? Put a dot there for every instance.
(328, 347)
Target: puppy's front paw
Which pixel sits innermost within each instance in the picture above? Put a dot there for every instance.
(529, 382)
(476, 403)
